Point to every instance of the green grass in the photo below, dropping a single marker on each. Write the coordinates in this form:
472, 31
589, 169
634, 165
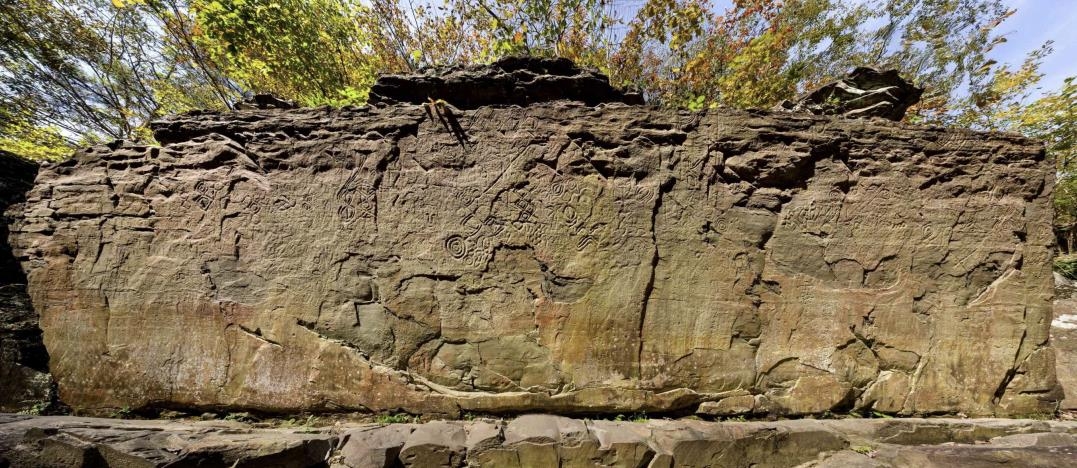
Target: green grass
863, 449
396, 418
640, 417
1066, 265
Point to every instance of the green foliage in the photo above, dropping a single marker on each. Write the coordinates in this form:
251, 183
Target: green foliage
307, 50
19, 135
82, 71
396, 418
123, 413
580, 30
862, 449
37, 409
1053, 120
640, 417
758, 52
1066, 265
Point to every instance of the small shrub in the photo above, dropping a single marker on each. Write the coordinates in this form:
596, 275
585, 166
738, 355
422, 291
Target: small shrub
863, 449
1066, 265
37, 409
123, 413
396, 418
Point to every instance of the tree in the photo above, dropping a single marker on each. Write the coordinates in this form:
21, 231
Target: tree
309, 50
409, 37
62, 66
85, 70
1053, 120
759, 52
78, 72
196, 81
20, 135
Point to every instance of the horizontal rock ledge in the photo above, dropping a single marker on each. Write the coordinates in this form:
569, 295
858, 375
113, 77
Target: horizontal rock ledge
539, 440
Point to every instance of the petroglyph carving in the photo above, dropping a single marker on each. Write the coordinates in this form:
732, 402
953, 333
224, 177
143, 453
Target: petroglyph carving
746, 254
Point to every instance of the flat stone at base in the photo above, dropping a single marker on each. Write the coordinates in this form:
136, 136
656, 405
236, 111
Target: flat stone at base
542, 441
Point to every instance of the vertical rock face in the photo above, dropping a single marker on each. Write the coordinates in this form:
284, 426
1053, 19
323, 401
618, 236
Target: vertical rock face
562, 257
24, 378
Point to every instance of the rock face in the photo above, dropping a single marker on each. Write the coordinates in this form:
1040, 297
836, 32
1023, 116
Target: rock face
510, 81
563, 257
24, 362
70, 442
866, 92
540, 441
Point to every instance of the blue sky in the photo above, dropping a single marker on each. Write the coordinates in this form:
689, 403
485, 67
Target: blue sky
1036, 22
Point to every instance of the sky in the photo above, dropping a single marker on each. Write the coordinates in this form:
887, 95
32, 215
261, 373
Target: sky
1036, 22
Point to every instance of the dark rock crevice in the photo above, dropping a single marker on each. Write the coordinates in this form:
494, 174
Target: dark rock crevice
519, 81
25, 382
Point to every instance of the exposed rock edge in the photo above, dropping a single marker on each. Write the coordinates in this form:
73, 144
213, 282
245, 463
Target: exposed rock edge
558, 257
532, 441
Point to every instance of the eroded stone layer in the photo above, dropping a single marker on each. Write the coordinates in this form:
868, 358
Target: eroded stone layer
556, 257
539, 441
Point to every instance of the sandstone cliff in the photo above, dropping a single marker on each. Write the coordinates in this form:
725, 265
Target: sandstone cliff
564, 256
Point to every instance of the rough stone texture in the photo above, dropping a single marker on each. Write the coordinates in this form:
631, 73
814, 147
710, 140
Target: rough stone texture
1064, 339
264, 101
866, 92
557, 257
24, 362
509, 81
70, 442
539, 442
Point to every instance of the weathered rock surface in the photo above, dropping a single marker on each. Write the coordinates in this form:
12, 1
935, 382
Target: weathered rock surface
540, 441
24, 362
557, 257
71, 442
866, 92
510, 81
